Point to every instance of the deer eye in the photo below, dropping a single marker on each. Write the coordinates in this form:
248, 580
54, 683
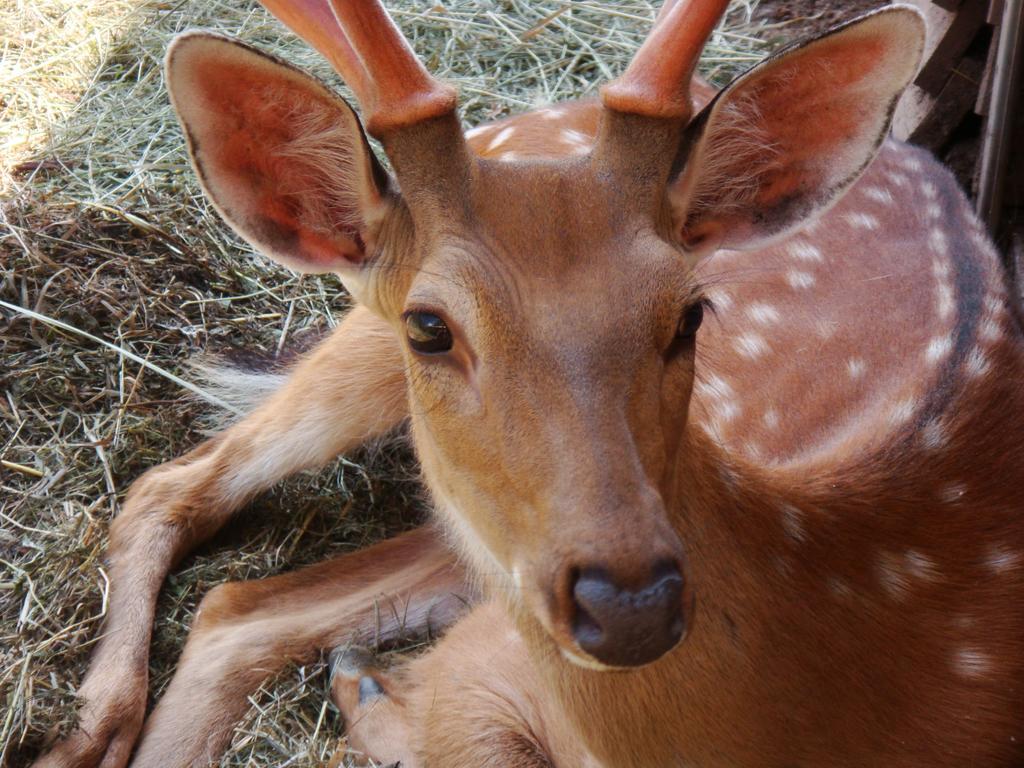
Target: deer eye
427, 333
690, 321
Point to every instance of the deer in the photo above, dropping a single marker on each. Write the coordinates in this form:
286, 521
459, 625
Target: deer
714, 393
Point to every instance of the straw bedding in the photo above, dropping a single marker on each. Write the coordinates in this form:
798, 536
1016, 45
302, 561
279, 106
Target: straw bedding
128, 273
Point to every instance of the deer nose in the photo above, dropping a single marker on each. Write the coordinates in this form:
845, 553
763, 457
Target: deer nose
628, 627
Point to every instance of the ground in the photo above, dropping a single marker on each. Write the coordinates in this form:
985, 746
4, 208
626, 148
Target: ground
127, 273
812, 17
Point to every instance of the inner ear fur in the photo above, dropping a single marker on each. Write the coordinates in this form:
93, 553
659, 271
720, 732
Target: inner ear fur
786, 139
284, 160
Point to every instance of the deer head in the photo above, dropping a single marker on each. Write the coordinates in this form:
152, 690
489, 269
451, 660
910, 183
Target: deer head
548, 309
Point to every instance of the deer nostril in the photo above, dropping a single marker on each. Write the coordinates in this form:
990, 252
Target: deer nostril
628, 627
585, 629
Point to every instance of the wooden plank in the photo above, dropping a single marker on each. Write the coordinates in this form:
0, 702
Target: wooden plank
948, 40
953, 103
1013, 200
937, 21
995, 14
1000, 188
985, 90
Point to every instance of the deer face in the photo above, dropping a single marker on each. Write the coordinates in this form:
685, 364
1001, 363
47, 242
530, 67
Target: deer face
547, 310
548, 415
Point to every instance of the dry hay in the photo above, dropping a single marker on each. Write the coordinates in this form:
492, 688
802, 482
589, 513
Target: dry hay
103, 229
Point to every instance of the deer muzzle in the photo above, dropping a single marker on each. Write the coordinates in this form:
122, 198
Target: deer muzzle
628, 626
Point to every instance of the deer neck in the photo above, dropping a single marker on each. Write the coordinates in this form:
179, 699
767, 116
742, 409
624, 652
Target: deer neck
757, 564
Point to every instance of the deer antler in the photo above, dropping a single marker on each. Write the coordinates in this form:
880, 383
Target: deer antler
365, 47
657, 81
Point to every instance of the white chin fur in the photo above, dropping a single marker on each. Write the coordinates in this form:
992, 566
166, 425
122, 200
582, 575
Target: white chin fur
586, 663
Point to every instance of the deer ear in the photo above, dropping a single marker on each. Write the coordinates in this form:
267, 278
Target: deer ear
284, 160
785, 140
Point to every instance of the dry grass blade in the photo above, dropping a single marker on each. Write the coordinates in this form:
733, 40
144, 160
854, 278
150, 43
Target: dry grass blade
188, 385
114, 272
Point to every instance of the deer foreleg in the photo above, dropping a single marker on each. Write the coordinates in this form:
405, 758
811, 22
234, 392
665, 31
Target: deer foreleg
349, 389
245, 632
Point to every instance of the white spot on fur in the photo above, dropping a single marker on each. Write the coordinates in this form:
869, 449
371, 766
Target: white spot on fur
856, 367
771, 418
899, 179
910, 162
472, 133
989, 330
763, 314
897, 573
751, 346
977, 364
504, 135
862, 221
1001, 560
933, 211
572, 136
581, 149
799, 280
721, 300
727, 410
944, 303
939, 242
983, 242
825, 328
920, 566
972, 663
804, 251
552, 113
714, 431
933, 435
952, 493
902, 411
994, 305
938, 348
941, 268
928, 190
714, 387
508, 157
879, 195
